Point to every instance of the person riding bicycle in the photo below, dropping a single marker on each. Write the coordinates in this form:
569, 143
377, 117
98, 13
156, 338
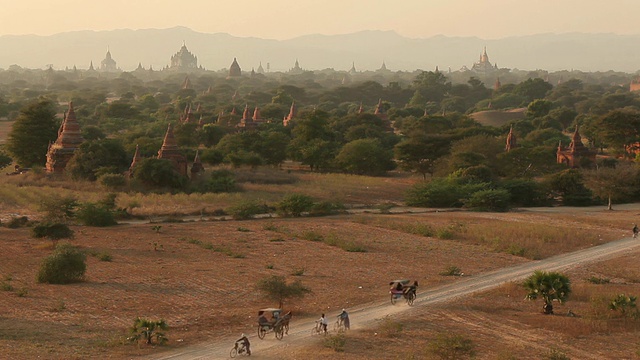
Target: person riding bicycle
344, 316
244, 341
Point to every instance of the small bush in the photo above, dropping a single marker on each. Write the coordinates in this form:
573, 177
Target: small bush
112, 181
148, 330
5, 286
598, 280
452, 347
324, 208
489, 200
420, 229
18, 222
555, 354
278, 239
105, 257
66, 264
390, 328
221, 181
452, 271
312, 236
53, 232
335, 342
243, 229
294, 205
626, 304
246, 210
59, 306
444, 234
22, 292
58, 209
91, 214
298, 272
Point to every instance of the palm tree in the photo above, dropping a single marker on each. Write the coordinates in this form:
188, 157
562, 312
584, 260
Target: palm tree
549, 286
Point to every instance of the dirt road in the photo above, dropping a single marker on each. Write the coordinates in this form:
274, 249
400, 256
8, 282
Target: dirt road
366, 315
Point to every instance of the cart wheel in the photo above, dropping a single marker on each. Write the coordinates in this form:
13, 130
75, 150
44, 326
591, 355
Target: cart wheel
279, 333
233, 352
261, 332
411, 298
393, 299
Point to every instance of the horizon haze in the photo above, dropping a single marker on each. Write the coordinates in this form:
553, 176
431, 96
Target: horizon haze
287, 19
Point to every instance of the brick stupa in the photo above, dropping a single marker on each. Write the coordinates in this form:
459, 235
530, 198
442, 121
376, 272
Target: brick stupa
170, 151
69, 139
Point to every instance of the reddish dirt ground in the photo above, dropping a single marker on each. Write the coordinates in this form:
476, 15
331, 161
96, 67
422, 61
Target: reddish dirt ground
207, 294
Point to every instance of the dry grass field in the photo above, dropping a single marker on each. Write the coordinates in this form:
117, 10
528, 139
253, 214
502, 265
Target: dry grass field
200, 277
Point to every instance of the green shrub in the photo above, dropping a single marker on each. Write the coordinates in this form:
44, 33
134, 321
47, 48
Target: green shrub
221, 181
442, 193
58, 209
112, 181
626, 304
444, 234
52, 231
18, 222
526, 192
92, 214
326, 208
105, 257
294, 205
246, 210
5, 286
489, 200
148, 330
66, 264
555, 354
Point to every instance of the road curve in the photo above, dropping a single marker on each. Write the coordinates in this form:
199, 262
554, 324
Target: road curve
365, 315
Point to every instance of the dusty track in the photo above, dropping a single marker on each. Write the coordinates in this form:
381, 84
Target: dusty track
366, 315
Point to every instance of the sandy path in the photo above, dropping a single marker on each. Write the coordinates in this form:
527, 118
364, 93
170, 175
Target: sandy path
366, 315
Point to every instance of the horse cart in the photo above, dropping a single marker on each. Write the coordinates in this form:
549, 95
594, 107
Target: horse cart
278, 323
402, 289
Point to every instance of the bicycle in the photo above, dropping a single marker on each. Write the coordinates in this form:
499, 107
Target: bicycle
238, 349
339, 325
317, 329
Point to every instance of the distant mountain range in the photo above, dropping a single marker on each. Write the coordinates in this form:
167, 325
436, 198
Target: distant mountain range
367, 49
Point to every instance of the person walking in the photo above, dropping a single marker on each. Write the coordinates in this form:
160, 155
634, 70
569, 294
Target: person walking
635, 231
324, 323
344, 316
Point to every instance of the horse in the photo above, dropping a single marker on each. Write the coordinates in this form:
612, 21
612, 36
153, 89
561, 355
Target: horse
284, 322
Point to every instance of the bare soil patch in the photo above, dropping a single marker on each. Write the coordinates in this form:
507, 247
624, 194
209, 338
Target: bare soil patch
208, 293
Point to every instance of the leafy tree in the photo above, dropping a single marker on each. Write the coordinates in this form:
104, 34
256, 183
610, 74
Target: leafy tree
614, 184
619, 128
5, 160
276, 288
52, 231
148, 330
539, 108
419, 153
549, 286
58, 209
35, 127
533, 89
569, 184
65, 265
365, 157
96, 157
159, 172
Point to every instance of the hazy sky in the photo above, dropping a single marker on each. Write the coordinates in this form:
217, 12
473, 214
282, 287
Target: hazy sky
283, 19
